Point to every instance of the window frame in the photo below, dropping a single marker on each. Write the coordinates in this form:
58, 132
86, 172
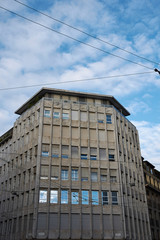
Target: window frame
85, 197
109, 118
114, 198
56, 198
64, 174
64, 196
95, 199
73, 201
43, 196
105, 199
56, 115
47, 114
74, 174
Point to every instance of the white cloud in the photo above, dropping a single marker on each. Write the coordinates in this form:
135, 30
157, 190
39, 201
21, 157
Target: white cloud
149, 140
138, 106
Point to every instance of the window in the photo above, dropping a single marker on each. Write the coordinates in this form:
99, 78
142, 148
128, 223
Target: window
47, 113
65, 151
95, 198
65, 115
75, 198
54, 196
45, 150
92, 117
44, 171
45, 153
103, 175
84, 153
64, 196
94, 176
104, 198
74, 115
43, 196
74, 152
108, 119
111, 154
114, 198
84, 174
55, 151
85, 197
100, 118
74, 174
83, 116
64, 174
113, 179
56, 115
93, 153
102, 154
54, 172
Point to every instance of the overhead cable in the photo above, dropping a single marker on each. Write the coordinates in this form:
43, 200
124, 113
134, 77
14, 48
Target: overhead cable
74, 39
88, 34
78, 80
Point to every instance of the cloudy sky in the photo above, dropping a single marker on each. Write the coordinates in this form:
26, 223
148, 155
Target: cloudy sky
32, 54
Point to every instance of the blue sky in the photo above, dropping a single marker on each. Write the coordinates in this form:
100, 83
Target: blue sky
30, 54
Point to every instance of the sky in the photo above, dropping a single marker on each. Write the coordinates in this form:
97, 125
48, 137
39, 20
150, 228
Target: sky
48, 52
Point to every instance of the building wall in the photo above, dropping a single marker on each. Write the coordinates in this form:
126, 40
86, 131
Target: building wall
75, 173
152, 182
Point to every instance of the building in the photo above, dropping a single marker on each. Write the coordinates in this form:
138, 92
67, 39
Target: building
152, 183
71, 169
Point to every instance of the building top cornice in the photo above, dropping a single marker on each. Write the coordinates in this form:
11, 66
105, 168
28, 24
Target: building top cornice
44, 91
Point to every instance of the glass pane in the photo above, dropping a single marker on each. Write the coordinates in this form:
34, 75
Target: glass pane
54, 196
85, 197
64, 196
95, 198
43, 196
75, 199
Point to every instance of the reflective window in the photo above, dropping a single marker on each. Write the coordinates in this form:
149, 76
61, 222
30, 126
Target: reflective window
75, 198
64, 196
85, 197
43, 196
54, 196
95, 198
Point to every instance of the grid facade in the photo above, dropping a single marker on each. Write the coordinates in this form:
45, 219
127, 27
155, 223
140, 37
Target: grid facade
71, 168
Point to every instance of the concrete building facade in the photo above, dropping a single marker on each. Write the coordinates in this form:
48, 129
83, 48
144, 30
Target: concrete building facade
152, 183
70, 168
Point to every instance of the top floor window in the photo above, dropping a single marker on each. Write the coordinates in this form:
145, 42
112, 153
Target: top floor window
65, 115
47, 113
56, 115
108, 118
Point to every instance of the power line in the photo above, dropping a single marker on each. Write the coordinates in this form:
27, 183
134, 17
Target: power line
79, 41
89, 35
78, 80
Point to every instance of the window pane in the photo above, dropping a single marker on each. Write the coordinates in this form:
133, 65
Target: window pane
74, 115
54, 196
104, 198
74, 174
75, 198
114, 198
64, 174
95, 198
64, 196
65, 115
108, 118
43, 196
85, 197
94, 176
56, 115
47, 113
